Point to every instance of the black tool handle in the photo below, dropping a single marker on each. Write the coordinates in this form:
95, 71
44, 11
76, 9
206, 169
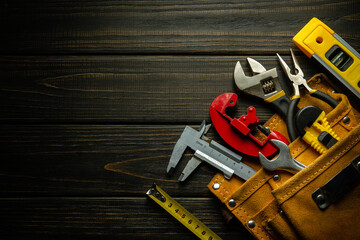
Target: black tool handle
290, 119
281, 105
326, 98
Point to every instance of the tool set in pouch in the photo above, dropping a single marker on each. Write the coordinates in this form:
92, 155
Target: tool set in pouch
302, 194
308, 188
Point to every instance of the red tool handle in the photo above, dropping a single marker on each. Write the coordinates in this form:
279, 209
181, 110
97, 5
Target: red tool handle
237, 131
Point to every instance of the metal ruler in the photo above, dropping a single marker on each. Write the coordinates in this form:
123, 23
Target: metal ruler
181, 214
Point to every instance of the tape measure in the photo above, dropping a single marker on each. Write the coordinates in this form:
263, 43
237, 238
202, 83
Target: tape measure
318, 41
181, 214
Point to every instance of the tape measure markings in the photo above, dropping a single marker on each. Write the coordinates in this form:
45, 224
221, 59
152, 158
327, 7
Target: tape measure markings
181, 214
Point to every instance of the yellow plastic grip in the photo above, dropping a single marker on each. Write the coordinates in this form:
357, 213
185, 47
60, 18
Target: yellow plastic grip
312, 133
274, 97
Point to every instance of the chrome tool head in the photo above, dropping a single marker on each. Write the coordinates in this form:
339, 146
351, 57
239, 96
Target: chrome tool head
188, 136
297, 79
264, 83
255, 66
284, 161
208, 151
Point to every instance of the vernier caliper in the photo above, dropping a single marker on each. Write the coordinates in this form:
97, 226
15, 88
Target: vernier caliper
211, 152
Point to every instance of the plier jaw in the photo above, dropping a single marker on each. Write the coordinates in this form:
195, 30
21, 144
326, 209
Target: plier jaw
297, 79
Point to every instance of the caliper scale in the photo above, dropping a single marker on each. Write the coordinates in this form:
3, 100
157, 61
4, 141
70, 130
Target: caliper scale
225, 160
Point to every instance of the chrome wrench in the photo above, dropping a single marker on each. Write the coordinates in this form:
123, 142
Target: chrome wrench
282, 162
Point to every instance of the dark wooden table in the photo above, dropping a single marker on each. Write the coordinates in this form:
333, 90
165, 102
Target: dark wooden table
94, 95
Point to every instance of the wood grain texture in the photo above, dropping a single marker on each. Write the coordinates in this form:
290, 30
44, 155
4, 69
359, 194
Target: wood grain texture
108, 218
95, 160
94, 94
124, 89
184, 27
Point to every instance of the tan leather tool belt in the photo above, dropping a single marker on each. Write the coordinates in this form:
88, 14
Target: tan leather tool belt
281, 205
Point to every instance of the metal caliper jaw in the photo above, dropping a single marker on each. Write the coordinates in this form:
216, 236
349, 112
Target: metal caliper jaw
263, 84
211, 152
181, 145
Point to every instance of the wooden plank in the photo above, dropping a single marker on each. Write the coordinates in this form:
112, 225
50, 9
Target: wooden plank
95, 160
211, 27
107, 218
124, 89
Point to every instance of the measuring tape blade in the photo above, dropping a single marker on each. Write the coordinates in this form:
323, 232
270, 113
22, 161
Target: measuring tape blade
181, 214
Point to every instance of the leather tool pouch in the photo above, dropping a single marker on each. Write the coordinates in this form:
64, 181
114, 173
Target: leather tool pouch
319, 202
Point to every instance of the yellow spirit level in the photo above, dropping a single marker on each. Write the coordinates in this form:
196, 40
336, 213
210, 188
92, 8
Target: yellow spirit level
181, 214
318, 41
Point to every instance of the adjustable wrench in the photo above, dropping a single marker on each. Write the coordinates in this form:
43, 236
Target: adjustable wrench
264, 84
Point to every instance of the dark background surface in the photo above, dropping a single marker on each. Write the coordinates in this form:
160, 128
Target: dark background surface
94, 95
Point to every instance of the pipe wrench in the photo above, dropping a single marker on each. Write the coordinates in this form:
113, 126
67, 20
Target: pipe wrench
211, 152
237, 132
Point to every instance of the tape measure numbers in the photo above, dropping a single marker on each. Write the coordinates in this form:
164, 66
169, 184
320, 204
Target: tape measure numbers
181, 214
320, 42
